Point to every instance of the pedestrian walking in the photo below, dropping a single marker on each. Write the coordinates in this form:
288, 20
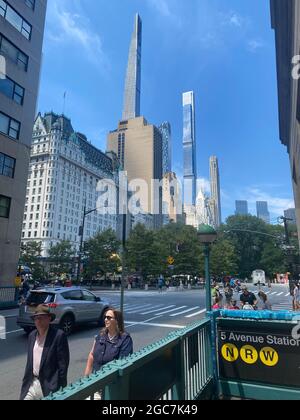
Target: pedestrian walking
248, 298
48, 358
265, 304
228, 294
296, 297
160, 284
112, 343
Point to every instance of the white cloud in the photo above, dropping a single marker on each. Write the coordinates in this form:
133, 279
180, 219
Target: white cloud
254, 45
233, 19
204, 184
277, 204
65, 27
164, 9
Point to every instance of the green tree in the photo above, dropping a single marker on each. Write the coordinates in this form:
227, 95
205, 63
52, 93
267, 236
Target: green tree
142, 252
223, 258
61, 257
31, 256
273, 260
100, 254
175, 240
248, 235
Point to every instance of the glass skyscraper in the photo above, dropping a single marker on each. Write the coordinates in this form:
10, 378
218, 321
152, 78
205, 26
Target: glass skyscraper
165, 130
189, 148
133, 77
263, 211
241, 208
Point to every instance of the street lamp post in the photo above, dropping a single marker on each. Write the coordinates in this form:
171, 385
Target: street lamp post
81, 233
207, 235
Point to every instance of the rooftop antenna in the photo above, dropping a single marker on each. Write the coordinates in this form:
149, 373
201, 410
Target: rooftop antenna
64, 103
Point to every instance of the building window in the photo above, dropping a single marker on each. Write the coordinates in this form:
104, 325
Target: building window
12, 90
12, 52
4, 206
7, 165
30, 4
15, 19
9, 126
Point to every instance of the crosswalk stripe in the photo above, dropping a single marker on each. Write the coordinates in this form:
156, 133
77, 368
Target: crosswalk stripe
196, 313
140, 308
274, 293
279, 294
157, 308
186, 311
132, 307
172, 310
288, 294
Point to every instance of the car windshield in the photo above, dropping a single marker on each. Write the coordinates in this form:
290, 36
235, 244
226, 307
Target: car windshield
38, 298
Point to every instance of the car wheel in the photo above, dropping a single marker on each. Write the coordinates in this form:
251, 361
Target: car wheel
67, 324
28, 330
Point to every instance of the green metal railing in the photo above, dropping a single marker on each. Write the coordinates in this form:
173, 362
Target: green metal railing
8, 297
178, 367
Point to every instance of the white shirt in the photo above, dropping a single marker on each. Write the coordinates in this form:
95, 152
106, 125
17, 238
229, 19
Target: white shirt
37, 354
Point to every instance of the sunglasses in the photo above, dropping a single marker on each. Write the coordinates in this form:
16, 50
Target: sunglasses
109, 318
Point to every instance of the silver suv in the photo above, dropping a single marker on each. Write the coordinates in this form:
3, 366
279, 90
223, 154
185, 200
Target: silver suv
72, 305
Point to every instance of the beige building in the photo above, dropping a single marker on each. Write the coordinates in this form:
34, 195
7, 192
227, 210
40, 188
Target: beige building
286, 23
138, 146
172, 202
21, 38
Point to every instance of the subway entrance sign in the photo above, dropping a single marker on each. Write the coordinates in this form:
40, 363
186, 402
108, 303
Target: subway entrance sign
261, 352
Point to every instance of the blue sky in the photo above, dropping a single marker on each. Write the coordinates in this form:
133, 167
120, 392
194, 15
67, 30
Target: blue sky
222, 49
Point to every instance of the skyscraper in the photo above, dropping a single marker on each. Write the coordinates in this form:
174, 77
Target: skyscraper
291, 214
241, 208
165, 130
262, 211
133, 77
215, 190
189, 149
21, 39
139, 146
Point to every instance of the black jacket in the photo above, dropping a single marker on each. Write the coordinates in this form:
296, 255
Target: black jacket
106, 351
54, 363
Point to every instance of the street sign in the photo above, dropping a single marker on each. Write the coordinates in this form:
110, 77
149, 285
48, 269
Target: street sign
259, 354
171, 260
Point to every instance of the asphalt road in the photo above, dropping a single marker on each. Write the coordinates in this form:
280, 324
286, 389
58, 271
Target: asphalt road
149, 317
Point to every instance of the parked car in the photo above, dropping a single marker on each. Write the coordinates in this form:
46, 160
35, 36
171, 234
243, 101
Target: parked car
71, 306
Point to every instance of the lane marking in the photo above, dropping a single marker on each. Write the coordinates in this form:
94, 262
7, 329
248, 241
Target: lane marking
186, 311
171, 310
158, 309
158, 325
139, 308
15, 331
195, 314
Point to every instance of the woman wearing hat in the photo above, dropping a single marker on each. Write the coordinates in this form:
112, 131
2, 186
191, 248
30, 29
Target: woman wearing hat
48, 357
